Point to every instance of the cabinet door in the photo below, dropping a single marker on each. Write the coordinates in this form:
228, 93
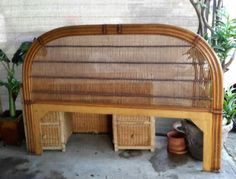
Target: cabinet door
133, 135
50, 136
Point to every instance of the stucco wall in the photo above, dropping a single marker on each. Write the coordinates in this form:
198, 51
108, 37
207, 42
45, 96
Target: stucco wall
23, 19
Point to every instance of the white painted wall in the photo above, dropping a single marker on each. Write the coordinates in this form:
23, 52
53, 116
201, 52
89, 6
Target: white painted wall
24, 19
230, 76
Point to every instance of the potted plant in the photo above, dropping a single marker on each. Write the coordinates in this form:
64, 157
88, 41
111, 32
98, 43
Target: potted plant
11, 123
229, 112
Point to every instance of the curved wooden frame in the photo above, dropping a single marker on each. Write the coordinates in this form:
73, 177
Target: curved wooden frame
208, 121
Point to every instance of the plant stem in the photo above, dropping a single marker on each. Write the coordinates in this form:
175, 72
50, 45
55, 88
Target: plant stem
200, 24
12, 106
5, 66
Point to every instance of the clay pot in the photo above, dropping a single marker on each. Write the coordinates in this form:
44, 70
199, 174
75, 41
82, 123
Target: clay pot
12, 130
176, 142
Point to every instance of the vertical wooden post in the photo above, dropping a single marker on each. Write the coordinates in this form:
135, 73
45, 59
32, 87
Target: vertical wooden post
212, 143
36, 137
28, 121
35, 145
217, 140
211, 128
208, 145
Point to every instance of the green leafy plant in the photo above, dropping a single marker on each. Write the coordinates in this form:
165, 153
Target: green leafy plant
217, 28
229, 104
223, 39
12, 84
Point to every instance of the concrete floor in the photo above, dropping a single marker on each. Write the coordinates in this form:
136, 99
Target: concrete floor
92, 156
230, 145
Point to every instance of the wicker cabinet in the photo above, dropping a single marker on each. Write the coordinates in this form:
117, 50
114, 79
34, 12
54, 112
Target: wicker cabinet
133, 132
55, 128
91, 123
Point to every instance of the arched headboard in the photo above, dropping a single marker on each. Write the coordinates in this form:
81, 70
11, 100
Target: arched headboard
148, 66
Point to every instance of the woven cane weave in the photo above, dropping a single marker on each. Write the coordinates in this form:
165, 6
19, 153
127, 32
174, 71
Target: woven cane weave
126, 69
133, 132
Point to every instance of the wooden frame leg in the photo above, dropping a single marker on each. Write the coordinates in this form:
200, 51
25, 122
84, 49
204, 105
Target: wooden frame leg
209, 143
207, 146
36, 117
216, 141
28, 128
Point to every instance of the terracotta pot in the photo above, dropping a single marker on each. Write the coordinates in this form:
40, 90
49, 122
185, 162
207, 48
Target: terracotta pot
12, 130
176, 142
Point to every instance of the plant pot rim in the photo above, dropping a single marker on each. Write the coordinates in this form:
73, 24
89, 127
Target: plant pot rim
228, 126
173, 133
177, 152
8, 118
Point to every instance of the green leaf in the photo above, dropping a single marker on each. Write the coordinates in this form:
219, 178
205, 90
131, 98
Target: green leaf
3, 57
229, 104
18, 57
2, 83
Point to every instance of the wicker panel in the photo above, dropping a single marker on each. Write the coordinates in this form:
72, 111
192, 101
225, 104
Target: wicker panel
133, 132
51, 136
114, 71
120, 40
56, 128
52, 117
114, 55
126, 69
94, 123
66, 127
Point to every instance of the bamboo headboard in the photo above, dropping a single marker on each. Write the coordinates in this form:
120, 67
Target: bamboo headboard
151, 69
133, 65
